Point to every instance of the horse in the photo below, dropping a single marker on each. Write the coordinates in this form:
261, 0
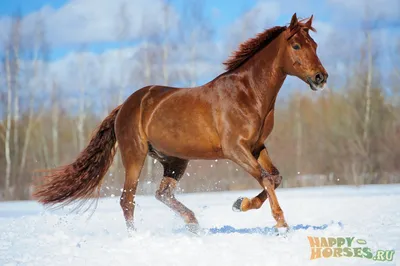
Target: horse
230, 117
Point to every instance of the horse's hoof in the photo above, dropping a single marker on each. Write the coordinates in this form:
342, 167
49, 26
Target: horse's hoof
131, 231
193, 228
237, 206
282, 231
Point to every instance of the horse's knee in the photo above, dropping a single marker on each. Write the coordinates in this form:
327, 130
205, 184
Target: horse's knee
163, 195
278, 180
166, 188
274, 171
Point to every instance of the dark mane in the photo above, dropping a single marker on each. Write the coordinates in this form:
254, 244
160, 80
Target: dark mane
252, 46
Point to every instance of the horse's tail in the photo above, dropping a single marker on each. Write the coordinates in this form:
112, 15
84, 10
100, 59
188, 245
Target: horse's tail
80, 179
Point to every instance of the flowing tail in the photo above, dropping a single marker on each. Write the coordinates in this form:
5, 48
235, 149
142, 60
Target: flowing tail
80, 179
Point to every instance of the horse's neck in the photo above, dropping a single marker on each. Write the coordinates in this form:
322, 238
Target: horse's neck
264, 73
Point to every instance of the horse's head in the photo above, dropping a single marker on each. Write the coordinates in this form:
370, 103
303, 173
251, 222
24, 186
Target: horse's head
300, 54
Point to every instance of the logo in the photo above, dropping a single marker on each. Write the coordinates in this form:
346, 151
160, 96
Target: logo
337, 247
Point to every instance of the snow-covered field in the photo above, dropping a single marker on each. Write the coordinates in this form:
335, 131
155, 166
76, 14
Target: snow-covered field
31, 236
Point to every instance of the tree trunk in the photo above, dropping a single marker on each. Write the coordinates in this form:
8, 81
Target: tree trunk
15, 42
299, 137
165, 47
54, 123
8, 123
27, 137
81, 115
367, 114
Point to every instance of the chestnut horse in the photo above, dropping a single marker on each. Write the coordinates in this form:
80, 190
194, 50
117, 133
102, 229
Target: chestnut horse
228, 118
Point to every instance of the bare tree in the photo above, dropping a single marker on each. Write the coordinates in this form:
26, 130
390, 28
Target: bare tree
82, 103
7, 144
32, 73
28, 133
122, 32
368, 84
12, 69
55, 113
147, 62
15, 46
298, 133
196, 31
166, 44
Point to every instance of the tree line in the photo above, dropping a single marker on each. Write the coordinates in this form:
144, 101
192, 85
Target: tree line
347, 134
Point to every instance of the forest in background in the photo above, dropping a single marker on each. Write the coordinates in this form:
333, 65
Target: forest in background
346, 134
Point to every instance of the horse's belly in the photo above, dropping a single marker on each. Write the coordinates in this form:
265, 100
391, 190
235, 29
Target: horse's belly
187, 150
184, 136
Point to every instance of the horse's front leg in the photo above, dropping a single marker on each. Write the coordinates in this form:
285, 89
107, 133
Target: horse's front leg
243, 157
243, 204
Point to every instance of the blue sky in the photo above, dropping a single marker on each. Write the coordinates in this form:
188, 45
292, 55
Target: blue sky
230, 12
71, 24
8, 7
221, 14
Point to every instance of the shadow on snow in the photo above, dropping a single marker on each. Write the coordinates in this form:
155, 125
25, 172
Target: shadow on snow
227, 229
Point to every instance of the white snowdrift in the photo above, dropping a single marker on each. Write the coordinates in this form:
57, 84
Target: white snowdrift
31, 236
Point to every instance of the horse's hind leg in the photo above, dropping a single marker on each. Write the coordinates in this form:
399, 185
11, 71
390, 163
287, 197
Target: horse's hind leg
133, 150
174, 168
133, 160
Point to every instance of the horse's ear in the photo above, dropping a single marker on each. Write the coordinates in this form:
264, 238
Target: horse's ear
294, 21
309, 22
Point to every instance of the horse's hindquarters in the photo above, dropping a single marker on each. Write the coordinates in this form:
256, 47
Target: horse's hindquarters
180, 124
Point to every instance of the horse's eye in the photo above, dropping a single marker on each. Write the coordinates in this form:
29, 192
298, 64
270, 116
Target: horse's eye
296, 46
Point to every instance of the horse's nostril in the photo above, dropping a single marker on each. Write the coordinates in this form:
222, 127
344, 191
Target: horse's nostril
319, 78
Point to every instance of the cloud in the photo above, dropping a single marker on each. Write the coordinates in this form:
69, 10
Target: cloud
371, 10
91, 21
255, 20
115, 69
261, 15
104, 74
94, 70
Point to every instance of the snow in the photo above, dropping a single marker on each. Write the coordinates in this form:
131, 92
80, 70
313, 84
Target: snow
29, 235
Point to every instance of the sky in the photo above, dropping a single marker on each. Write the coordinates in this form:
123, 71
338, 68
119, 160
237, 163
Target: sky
68, 16
221, 14
93, 28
